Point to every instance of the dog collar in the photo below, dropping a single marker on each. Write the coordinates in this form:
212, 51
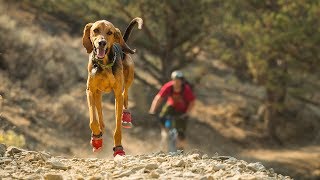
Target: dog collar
99, 62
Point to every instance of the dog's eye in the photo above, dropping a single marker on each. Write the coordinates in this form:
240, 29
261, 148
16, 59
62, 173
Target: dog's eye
109, 33
96, 30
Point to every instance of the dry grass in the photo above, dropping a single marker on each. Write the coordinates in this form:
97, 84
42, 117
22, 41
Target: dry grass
43, 62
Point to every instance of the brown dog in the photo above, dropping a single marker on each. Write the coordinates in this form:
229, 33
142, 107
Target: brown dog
110, 68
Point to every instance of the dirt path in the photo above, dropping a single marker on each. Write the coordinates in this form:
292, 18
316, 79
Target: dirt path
301, 162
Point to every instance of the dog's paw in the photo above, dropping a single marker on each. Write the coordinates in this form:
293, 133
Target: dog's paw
96, 144
118, 150
126, 119
126, 125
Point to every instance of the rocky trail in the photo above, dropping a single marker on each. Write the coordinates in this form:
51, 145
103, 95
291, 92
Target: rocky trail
16, 163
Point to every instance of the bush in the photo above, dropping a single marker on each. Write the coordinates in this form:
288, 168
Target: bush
12, 139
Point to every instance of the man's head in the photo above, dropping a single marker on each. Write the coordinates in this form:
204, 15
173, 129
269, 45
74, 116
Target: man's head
177, 77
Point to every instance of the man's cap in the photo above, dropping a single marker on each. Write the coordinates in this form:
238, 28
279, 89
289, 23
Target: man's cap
177, 75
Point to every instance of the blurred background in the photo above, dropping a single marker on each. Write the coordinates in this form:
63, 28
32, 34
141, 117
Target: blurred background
254, 66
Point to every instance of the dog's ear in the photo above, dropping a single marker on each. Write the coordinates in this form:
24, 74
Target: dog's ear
123, 44
86, 38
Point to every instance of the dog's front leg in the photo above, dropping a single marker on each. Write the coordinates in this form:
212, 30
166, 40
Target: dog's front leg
94, 124
96, 136
98, 104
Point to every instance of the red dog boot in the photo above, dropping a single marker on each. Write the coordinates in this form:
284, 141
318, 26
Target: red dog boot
126, 119
96, 142
118, 150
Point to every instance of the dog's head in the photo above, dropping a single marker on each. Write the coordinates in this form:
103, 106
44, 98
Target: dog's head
100, 36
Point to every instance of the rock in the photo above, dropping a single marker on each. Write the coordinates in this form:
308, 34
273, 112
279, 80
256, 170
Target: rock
11, 150
154, 174
95, 178
209, 169
3, 149
151, 166
123, 174
32, 177
180, 163
5, 160
160, 153
205, 156
52, 176
161, 159
256, 167
137, 168
231, 160
195, 151
44, 155
271, 170
217, 167
160, 171
9, 168
245, 176
194, 156
188, 174
207, 178
222, 158
118, 159
77, 177
94, 159
31, 157
57, 165
240, 165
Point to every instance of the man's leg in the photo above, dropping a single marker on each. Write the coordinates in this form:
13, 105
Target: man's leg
181, 141
164, 135
181, 125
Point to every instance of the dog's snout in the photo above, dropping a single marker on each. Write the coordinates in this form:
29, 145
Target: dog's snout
102, 43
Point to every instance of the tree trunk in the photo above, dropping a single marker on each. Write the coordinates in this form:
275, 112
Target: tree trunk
276, 90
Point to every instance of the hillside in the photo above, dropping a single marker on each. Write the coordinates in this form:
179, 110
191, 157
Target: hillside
44, 108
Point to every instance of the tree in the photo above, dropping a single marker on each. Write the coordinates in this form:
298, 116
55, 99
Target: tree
275, 43
174, 33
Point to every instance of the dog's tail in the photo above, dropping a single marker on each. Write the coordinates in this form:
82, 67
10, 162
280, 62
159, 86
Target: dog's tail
134, 21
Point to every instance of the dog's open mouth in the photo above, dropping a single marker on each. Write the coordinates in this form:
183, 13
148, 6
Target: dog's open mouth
101, 52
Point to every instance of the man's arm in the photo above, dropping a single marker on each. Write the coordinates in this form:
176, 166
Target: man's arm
155, 104
190, 98
190, 107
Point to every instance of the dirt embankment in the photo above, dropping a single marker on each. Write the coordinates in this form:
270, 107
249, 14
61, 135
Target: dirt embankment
18, 163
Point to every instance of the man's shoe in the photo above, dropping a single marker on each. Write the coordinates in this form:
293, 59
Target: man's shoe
126, 119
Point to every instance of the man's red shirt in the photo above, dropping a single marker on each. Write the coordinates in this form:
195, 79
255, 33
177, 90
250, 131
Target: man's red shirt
179, 100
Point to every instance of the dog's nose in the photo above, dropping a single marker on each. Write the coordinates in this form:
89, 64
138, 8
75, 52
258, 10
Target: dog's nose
102, 43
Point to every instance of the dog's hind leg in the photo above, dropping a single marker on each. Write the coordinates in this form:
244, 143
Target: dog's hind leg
118, 130
118, 112
128, 73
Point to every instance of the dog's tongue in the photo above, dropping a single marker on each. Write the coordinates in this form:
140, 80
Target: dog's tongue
100, 53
